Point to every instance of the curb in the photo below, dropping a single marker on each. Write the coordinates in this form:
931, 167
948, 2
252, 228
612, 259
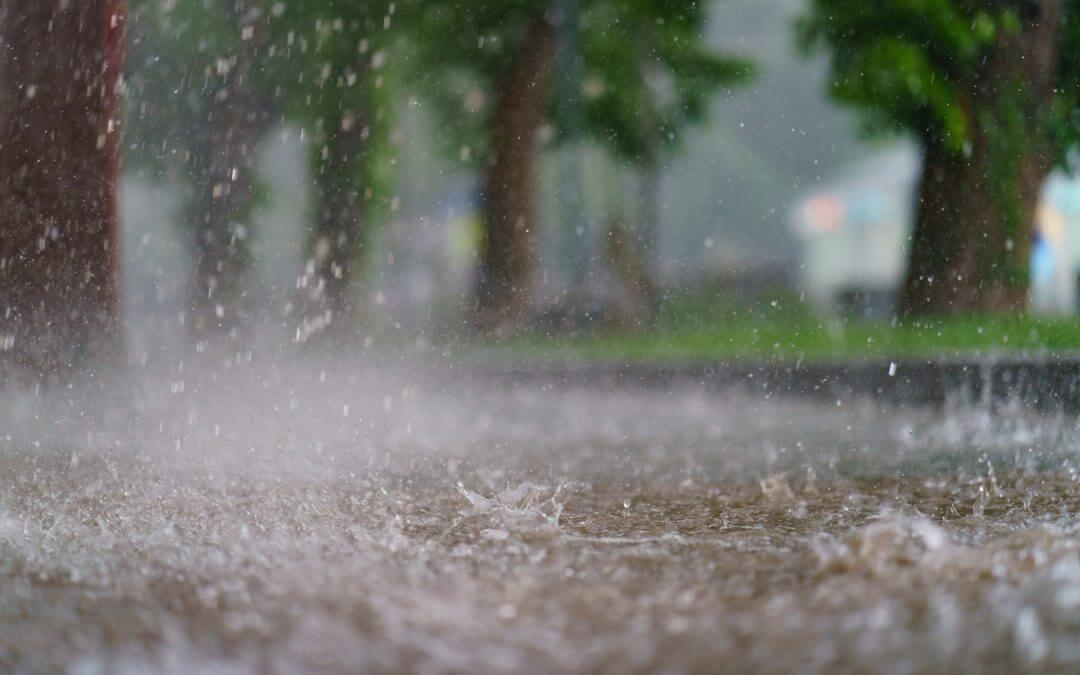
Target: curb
1046, 385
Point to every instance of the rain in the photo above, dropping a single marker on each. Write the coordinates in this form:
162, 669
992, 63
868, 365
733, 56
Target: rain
569, 336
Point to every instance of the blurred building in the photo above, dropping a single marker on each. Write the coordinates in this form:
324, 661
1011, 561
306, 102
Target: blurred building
854, 233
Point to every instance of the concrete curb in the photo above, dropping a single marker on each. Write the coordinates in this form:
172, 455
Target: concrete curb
1046, 385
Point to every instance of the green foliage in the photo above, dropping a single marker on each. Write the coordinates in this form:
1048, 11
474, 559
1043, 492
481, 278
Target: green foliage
645, 69
325, 56
176, 50
648, 72
917, 65
478, 37
993, 82
459, 52
314, 61
901, 62
1063, 119
710, 326
329, 61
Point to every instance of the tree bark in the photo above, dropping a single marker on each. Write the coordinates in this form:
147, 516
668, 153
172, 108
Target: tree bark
963, 258
976, 211
508, 258
335, 244
60, 64
225, 187
650, 180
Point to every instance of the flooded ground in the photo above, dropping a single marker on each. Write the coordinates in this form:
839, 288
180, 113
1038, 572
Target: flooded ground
342, 517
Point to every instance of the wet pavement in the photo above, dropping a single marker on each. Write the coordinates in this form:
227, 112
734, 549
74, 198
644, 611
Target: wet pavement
339, 516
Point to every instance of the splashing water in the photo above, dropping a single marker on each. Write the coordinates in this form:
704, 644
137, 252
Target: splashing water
243, 523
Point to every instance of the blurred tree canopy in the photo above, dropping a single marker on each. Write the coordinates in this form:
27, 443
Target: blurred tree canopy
645, 73
329, 67
213, 77
989, 89
200, 109
646, 69
179, 55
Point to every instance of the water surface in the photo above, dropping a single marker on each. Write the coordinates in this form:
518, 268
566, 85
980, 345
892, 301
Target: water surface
341, 516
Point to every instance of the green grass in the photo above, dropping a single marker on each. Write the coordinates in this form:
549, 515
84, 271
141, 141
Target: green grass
705, 326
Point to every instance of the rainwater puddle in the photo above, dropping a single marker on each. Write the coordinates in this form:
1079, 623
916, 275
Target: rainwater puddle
246, 522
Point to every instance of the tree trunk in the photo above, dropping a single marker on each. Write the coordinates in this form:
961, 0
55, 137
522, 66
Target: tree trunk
650, 179
335, 245
225, 188
976, 211
634, 292
964, 256
508, 258
59, 158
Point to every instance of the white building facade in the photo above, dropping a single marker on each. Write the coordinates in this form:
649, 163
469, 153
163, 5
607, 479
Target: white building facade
855, 233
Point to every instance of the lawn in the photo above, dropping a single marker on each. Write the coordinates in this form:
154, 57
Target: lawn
707, 326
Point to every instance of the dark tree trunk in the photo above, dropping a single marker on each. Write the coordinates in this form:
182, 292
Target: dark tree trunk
335, 244
650, 180
225, 188
634, 293
508, 258
976, 211
59, 159
963, 257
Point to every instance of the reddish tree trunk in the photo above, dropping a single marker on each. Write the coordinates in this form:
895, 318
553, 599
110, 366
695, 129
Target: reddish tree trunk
975, 221
60, 64
508, 258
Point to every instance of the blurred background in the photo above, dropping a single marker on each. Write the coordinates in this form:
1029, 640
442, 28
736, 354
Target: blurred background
656, 176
